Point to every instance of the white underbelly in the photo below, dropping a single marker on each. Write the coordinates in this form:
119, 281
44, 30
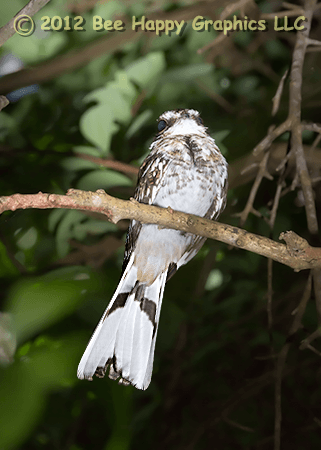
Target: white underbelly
156, 248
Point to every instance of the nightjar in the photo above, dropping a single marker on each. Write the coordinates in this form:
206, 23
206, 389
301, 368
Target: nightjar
186, 171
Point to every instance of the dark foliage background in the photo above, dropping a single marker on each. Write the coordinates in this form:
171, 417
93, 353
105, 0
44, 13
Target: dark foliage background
213, 383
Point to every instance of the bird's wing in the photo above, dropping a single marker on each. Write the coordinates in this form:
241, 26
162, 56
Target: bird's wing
150, 175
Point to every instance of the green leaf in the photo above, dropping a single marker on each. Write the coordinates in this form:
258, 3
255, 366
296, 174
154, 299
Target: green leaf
21, 416
174, 91
114, 100
146, 70
33, 48
221, 135
103, 179
74, 164
275, 49
94, 227
64, 231
97, 125
109, 9
243, 39
92, 151
98, 95
124, 85
173, 316
38, 302
8, 341
139, 122
7, 268
95, 69
43, 141
54, 218
187, 73
197, 40
7, 125
164, 42
214, 280
28, 239
25, 385
122, 407
9, 11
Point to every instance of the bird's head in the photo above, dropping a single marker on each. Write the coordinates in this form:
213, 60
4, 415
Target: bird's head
181, 122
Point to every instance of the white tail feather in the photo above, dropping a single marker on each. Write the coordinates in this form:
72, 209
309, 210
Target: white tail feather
149, 369
126, 334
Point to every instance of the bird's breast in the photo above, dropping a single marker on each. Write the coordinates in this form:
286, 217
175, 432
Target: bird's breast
189, 189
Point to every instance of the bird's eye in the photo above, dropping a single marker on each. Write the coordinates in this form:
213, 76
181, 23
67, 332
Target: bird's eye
161, 125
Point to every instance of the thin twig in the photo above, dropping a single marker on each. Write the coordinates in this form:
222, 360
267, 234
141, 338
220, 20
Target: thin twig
313, 42
219, 99
316, 127
111, 164
300, 310
218, 40
317, 292
260, 175
307, 341
314, 350
281, 14
270, 261
11, 256
276, 201
267, 141
315, 143
277, 98
270, 293
278, 386
232, 7
291, 6
314, 49
235, 424
281, 363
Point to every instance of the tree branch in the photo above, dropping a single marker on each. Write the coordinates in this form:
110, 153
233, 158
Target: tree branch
294, 123
295, 114
111, 164
297, 253
30, 9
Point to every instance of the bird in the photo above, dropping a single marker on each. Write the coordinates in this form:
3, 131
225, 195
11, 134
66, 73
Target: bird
184, 171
